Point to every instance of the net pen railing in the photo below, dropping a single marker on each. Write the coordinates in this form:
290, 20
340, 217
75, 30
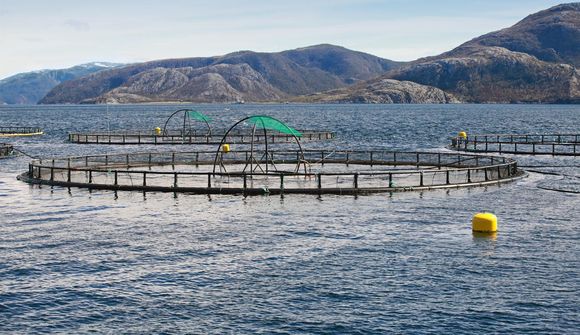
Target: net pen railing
530, 144
142, 172
193, 137
187, 132
526, 138
370, 157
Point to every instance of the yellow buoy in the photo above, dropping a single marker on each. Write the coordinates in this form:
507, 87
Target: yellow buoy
226, 148
157, 131
484, 223
462, 134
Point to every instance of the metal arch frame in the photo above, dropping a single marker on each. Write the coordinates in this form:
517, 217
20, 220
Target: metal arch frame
222, 142
185, 119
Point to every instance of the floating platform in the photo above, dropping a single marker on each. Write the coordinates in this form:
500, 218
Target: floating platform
6, 150
520, 144
20, 131
193, 137
306, 172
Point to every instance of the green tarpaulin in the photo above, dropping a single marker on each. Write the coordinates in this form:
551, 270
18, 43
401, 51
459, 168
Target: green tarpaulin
198, 116
266, 122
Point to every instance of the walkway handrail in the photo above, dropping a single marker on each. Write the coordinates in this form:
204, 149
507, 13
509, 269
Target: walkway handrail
529, 144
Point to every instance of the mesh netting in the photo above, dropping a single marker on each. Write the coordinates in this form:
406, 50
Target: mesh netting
339, 172
266, 122
198, 116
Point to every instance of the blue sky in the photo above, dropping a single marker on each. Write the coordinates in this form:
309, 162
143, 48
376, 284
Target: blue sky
62, 33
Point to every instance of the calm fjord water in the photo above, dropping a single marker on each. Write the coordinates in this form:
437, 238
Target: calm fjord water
75, 261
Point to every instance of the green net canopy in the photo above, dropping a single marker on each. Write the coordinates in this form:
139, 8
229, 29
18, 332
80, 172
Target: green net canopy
266, 122
198, 116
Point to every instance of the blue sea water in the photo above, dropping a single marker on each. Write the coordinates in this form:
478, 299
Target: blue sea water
79, 261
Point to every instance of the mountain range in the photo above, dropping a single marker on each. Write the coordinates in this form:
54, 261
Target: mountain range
243, 75
534, 61
30, 87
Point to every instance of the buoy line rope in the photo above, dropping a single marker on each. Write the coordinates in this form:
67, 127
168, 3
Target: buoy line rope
556, 189
554, 174
24, 153
564, 177
548, 166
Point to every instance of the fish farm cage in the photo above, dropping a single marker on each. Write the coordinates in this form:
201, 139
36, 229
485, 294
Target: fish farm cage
6, 150
179, 128
520, 144
275, 172
190, 137
20, 131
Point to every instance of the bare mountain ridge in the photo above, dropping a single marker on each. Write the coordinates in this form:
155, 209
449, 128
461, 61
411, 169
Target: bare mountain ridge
221, 82
533, 61
30, 87
494, 74
278, 76
551, 35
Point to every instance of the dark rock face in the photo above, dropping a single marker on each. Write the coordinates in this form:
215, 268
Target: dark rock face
383, 91
494, 74
30, 87
243, 75
533, 62
552, 35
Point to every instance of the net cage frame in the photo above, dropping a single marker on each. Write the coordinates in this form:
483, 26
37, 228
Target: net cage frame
266, 123
164, 172
6, 149
187, 129
15, 131
142, 137
519, 144
188, 135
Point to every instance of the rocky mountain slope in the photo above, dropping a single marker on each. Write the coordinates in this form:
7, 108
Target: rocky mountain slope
221, 82
534, 61
243, 75
382, 91
494, 74
551, 35
30, 87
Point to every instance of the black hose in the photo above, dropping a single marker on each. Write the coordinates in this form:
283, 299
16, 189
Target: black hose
554, 173
24, 153
549, 166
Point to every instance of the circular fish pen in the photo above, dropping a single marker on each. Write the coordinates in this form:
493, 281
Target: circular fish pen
520, 144
20, 131
179, 128
193, 137
6, 150
290, 171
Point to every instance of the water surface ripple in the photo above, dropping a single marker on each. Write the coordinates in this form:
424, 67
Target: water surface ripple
75, 261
